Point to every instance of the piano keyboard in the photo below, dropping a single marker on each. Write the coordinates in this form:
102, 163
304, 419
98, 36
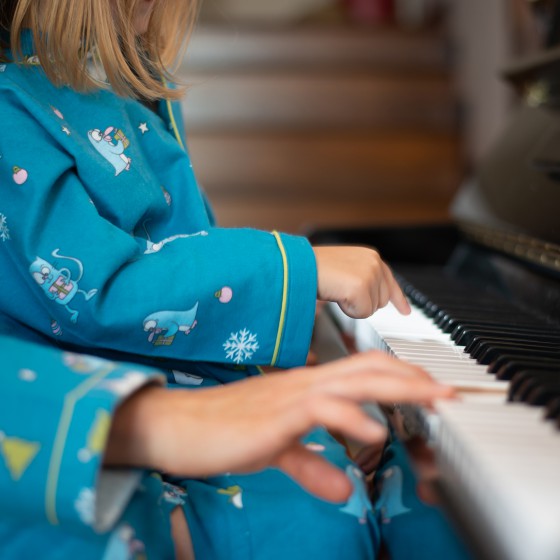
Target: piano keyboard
501, 459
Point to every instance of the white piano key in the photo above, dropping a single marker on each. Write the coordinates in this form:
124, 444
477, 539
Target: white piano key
503, 456
513, 460
416, 339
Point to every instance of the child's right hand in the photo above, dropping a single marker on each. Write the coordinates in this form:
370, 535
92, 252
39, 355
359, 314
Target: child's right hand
358, 280
249, 425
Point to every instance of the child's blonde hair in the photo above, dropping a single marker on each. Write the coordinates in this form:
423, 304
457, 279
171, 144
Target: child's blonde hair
70, 34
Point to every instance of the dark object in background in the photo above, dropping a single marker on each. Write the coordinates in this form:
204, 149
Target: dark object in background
370, 11
415, 244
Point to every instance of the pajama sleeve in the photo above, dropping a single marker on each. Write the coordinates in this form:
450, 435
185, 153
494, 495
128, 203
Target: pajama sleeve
56, 410
74, 270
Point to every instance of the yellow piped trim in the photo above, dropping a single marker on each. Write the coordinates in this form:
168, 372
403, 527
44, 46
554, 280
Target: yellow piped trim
284, 299
60, 439
172, 118
174, 124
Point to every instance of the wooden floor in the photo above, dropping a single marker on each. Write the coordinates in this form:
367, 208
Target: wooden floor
317, 126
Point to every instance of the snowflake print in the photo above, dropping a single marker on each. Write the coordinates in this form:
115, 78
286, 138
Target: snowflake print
241, 346
85, 505
4, 231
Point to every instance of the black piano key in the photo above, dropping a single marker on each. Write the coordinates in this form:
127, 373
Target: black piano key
526, 381
466, 301
464, 332
543, 394
553, 409
489, 321
483, 310
515, 342
505, 367
483, 341
521, 376
491, 353
479, 338
456, 326
448, 324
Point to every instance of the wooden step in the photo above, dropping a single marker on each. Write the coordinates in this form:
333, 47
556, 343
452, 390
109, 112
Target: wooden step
321, 101
301, 214
352, 164
330, 126
233, 48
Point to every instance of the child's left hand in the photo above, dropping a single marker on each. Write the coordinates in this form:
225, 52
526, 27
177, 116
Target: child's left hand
358, 280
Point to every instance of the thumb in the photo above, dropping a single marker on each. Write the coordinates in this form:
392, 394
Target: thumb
314, 473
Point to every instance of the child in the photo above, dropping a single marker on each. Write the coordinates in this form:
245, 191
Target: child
108, 246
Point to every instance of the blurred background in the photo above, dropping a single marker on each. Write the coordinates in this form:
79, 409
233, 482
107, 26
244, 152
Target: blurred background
305, 114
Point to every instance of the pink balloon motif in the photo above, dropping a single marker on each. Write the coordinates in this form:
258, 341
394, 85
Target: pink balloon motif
224, 295
57, 113
166, 195
56, 328
20, 175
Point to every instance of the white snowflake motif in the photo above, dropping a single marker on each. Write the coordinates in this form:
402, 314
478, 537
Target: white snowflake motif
4, 231
85, 505
241, 346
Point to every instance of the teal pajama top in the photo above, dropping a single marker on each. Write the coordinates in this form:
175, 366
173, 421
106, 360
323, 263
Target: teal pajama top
107, 243
108, 246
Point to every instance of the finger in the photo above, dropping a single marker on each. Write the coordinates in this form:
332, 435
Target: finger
384, 288
368, 458
397, 297
312, 359
368, 362
386, 388
423, 459
386, 363
315, 474
427, 493
367, 467
319, 305
346, 417
363, 455
392, 388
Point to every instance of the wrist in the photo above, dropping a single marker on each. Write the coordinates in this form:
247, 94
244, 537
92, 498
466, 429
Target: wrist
133, 431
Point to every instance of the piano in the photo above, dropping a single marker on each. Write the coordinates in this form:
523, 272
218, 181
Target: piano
485, 291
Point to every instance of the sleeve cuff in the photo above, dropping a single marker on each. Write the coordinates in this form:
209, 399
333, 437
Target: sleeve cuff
51, 463
86, 492
114, 491
299, 297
